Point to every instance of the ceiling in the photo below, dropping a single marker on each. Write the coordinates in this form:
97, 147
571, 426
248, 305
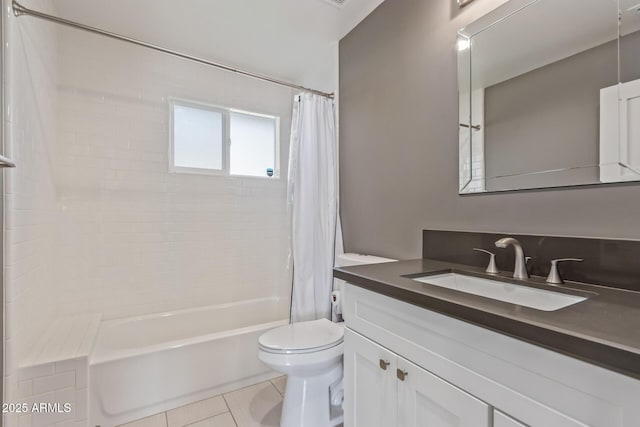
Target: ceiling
537, 35
294, 40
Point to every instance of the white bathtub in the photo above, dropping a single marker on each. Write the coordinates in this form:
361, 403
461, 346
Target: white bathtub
145, 365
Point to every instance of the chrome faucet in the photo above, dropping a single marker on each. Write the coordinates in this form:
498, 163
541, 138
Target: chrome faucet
520, 269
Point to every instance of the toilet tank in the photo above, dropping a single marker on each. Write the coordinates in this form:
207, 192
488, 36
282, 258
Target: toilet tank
345, 260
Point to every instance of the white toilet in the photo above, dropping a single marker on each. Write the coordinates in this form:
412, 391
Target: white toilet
310, 354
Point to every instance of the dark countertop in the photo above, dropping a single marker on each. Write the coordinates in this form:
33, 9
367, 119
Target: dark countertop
603, 330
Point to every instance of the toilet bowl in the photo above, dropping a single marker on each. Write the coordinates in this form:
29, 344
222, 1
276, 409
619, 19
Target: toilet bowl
310, 354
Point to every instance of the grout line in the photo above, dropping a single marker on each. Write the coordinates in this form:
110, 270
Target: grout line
225, 403
242, 388
230, 411
189, 404
209, 418
274, 386
277, 389
166, 418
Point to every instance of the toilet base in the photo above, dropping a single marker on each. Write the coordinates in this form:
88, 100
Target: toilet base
307, 401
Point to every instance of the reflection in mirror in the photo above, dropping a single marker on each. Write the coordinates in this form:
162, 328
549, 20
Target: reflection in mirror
628, 99
540, 100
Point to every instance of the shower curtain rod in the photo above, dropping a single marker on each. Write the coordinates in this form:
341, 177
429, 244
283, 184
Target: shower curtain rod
20, 10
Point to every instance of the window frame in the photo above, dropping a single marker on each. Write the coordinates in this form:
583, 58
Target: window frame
226, 140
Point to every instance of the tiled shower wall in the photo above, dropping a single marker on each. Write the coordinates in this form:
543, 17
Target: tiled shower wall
95, 223
30, 193
132, 237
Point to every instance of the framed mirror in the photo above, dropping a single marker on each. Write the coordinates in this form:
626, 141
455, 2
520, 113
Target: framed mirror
549, 95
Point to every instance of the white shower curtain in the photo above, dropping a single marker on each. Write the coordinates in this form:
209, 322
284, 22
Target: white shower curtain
313, 198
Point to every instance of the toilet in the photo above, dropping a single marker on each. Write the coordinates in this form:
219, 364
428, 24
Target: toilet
310, 354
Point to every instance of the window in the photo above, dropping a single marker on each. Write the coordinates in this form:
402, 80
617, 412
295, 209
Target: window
253, 142
197, 138
213, 140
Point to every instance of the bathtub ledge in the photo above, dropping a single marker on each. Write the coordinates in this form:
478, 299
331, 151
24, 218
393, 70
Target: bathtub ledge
67, 338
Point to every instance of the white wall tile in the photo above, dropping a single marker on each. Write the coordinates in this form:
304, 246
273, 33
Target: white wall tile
65, 366
31, 372
25, 388
69, 386
24, 420
81, 404
82, 366
30, 206
134, 238
39, 398
54, 382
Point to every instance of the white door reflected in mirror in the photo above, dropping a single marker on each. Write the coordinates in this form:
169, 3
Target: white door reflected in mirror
620, 132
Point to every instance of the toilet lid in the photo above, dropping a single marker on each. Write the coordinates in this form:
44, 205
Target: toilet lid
313, 335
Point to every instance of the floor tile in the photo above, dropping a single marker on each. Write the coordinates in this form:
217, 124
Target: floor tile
256, 406
280, 384
223, 420
197, 411
158, 420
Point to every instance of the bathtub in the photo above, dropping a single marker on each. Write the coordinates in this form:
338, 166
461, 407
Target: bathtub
145, 365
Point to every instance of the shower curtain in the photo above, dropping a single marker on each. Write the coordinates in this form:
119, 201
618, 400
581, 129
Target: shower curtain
313, 203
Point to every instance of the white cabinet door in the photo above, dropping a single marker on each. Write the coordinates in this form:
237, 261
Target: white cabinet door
425, 400
502, 420
369, 383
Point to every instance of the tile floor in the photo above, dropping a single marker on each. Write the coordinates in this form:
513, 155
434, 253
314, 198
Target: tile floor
258, 405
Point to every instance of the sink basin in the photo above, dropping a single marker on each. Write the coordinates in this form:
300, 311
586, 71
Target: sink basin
508, 292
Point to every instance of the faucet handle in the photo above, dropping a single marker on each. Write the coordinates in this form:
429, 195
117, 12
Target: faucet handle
492, 268
554, 277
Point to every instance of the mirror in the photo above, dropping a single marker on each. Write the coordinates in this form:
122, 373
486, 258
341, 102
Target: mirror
549, 95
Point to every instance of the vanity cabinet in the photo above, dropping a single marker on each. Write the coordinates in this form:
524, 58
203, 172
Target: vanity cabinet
389, 391
407, 366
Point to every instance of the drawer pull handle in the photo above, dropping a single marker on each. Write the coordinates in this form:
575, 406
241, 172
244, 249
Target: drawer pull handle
384, 364
401, 374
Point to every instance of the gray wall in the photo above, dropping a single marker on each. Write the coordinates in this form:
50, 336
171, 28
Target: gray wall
630, 57
399, 144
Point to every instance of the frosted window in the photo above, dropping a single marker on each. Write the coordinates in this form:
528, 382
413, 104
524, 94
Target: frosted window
216, 140
253, 144
197, 138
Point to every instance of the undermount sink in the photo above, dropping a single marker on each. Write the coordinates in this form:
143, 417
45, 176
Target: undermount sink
539, 299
